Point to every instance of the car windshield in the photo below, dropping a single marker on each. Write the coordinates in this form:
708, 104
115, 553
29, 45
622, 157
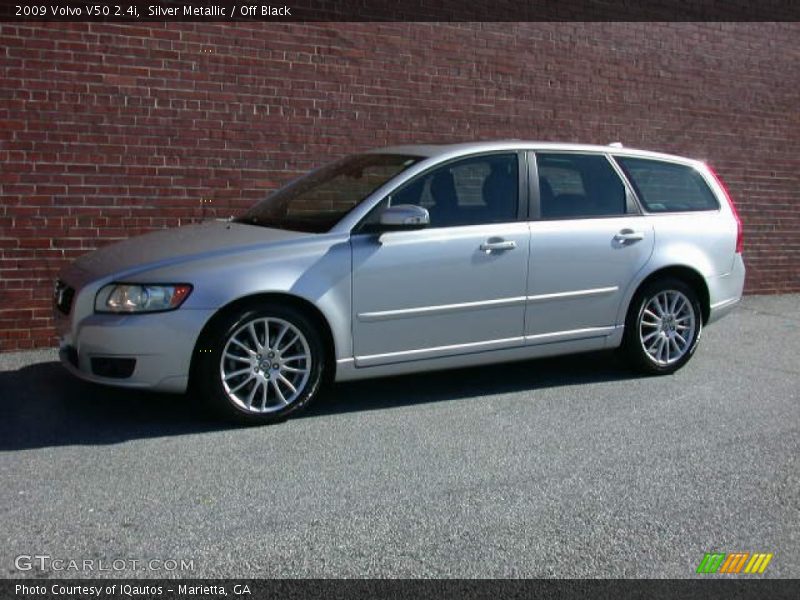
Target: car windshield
317, 201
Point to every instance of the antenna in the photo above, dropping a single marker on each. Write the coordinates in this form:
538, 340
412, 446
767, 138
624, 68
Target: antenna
616, 145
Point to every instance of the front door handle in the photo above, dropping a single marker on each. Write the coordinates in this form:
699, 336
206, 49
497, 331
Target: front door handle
490, 246
628, 236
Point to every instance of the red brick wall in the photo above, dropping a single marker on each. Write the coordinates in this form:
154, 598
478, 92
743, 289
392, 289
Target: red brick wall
109, 130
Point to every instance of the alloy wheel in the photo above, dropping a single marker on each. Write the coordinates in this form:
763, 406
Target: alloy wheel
265, 365
667, 326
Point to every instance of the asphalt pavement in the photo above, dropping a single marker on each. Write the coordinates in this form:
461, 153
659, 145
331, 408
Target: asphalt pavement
568, 467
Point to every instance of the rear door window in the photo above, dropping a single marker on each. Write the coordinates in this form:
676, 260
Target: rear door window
668, 187
575, 186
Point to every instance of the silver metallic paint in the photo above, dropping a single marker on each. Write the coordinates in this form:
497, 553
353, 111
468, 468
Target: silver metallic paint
407, 300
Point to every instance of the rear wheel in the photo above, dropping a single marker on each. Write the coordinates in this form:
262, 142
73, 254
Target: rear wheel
663, 327
261, 365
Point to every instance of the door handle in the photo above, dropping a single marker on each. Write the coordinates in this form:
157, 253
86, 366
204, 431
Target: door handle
629, 236
498, 246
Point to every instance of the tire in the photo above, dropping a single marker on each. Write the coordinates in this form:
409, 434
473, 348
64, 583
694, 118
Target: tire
660, 344
250, 381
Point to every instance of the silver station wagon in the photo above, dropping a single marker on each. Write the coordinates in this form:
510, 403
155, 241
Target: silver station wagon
412, 258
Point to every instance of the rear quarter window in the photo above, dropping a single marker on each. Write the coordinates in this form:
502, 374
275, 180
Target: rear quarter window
668, 187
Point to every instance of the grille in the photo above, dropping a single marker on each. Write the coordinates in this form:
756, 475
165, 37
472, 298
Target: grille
63, 296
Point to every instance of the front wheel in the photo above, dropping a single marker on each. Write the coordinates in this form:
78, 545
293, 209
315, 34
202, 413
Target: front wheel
663, 327
261, 365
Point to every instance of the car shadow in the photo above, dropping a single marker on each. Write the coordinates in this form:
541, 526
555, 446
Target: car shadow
472, 382
43, 406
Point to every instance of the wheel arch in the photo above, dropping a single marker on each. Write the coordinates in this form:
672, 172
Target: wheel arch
257, 299
688, 275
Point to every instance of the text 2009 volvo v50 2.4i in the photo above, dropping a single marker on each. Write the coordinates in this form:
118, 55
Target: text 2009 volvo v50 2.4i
412, 258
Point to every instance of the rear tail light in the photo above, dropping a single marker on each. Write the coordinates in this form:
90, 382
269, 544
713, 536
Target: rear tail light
739, 230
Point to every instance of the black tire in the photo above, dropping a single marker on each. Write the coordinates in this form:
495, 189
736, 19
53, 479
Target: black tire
207, 377
632, 345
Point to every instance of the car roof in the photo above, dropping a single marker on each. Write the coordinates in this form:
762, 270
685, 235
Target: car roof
445, 151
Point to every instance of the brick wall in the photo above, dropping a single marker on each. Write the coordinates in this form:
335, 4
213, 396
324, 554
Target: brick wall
110, 130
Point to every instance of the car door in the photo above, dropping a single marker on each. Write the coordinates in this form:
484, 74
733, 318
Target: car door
588, 242
454, 287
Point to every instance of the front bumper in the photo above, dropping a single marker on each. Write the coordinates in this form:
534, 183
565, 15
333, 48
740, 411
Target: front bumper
160, 343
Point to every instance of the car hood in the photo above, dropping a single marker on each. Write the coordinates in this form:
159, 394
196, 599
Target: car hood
172, 246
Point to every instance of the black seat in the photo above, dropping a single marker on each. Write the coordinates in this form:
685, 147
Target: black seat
499, 194
445, 208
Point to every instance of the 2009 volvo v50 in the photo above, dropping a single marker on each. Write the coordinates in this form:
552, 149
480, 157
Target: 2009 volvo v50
407, 259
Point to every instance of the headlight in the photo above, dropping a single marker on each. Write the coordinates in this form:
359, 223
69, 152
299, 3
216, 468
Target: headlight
134, 298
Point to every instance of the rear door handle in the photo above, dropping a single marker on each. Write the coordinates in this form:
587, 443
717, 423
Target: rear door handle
629, 236
498, 246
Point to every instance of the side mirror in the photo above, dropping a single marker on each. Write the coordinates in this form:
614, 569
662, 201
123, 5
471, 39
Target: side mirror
404, 217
